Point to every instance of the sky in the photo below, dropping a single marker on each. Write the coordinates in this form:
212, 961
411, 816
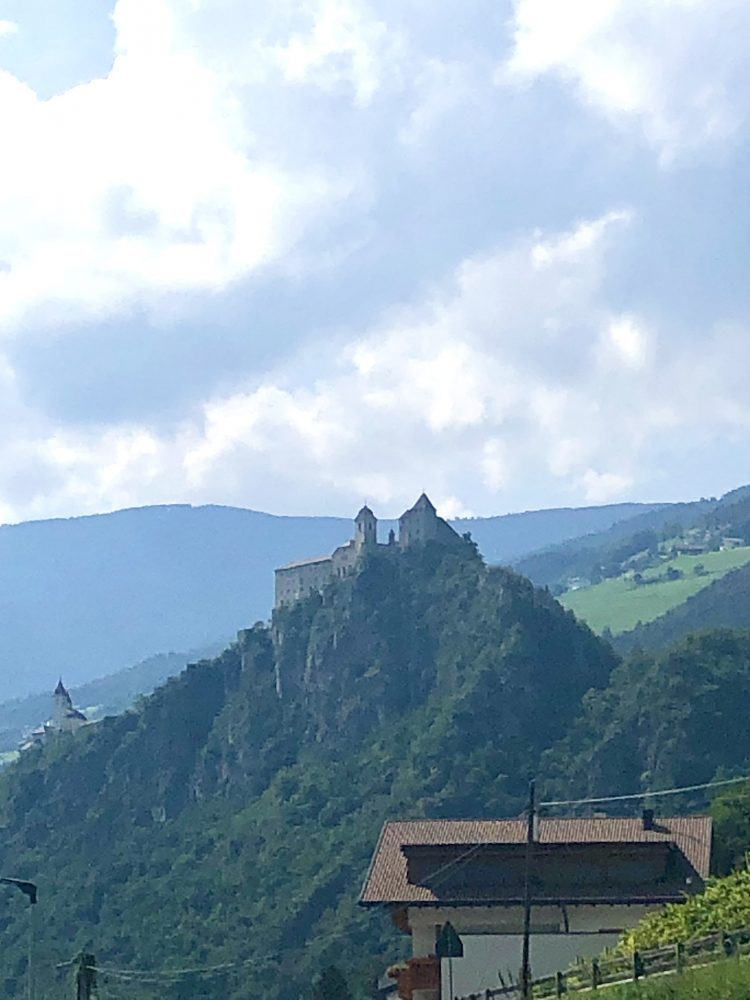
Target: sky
294, 254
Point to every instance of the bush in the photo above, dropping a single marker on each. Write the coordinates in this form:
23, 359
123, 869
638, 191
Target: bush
725, 905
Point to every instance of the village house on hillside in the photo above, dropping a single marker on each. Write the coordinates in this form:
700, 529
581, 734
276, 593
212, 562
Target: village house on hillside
591, 880
417, 525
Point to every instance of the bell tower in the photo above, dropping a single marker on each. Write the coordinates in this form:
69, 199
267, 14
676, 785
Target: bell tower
366, 529
63, 705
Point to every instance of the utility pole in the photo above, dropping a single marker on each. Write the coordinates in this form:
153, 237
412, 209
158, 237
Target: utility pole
86, 976
525, 962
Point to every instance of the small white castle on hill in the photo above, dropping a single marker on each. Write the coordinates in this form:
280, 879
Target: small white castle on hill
417, 525
66, 718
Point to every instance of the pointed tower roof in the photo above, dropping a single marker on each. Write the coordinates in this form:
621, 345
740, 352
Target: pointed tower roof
423, 503
365, 514
60, 689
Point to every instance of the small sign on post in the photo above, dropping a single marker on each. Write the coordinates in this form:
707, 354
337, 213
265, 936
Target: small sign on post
449, 944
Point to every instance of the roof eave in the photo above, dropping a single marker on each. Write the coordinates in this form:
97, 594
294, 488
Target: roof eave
370, 867
676, 897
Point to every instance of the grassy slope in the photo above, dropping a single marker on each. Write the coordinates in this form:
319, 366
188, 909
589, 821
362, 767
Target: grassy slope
725, 604
724, 981
619, 604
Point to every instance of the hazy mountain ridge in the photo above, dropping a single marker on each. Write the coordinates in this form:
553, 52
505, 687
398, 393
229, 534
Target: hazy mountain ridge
102, 592
106, 695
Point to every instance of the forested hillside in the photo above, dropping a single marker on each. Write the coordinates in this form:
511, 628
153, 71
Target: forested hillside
602, 552
666, 719
232, 817
100, 593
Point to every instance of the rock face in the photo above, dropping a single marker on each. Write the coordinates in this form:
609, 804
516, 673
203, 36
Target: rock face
231, 817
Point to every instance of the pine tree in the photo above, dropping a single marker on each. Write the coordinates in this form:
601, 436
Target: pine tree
331, 985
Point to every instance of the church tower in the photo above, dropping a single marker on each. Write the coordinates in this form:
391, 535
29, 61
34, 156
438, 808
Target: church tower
63, 705
67, 718
366, 529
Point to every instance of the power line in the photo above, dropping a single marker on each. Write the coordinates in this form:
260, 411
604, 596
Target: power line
154, 975
644, 795
434, 879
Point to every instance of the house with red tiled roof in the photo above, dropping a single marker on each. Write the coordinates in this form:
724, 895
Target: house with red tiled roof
591, 879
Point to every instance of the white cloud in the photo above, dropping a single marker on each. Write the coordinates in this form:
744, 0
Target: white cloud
232, 140
344, 44
202, 156
155, 178
461, 390
506, 375
677, 68
8, 28
602, 487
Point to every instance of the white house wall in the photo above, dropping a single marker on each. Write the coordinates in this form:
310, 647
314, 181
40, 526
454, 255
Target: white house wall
487, 954
492, 938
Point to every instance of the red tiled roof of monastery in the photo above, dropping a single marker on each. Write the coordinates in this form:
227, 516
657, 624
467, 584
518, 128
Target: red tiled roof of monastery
387, 881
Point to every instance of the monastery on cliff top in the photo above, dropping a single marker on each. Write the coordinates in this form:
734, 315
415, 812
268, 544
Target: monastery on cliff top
417, 525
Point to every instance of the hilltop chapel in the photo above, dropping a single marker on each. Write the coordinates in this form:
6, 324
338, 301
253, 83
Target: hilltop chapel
66, 718
416, 526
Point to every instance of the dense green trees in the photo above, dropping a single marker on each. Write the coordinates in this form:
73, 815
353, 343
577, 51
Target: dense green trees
331, 985
666, 719
731, 813
232, 817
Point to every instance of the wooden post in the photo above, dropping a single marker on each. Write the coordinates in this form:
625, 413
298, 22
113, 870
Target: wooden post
560, 984
728, 944
596, 975
679, 957
525, 959
638, 967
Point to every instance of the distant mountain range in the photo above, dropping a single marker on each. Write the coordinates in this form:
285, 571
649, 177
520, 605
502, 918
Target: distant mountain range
86, 596
108, 695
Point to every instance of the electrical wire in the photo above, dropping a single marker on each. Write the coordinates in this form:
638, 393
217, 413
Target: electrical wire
154, 975
644, 795
433, 879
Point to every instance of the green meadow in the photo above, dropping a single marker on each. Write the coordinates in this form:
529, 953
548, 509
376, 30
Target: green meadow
619, 604
728, 980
